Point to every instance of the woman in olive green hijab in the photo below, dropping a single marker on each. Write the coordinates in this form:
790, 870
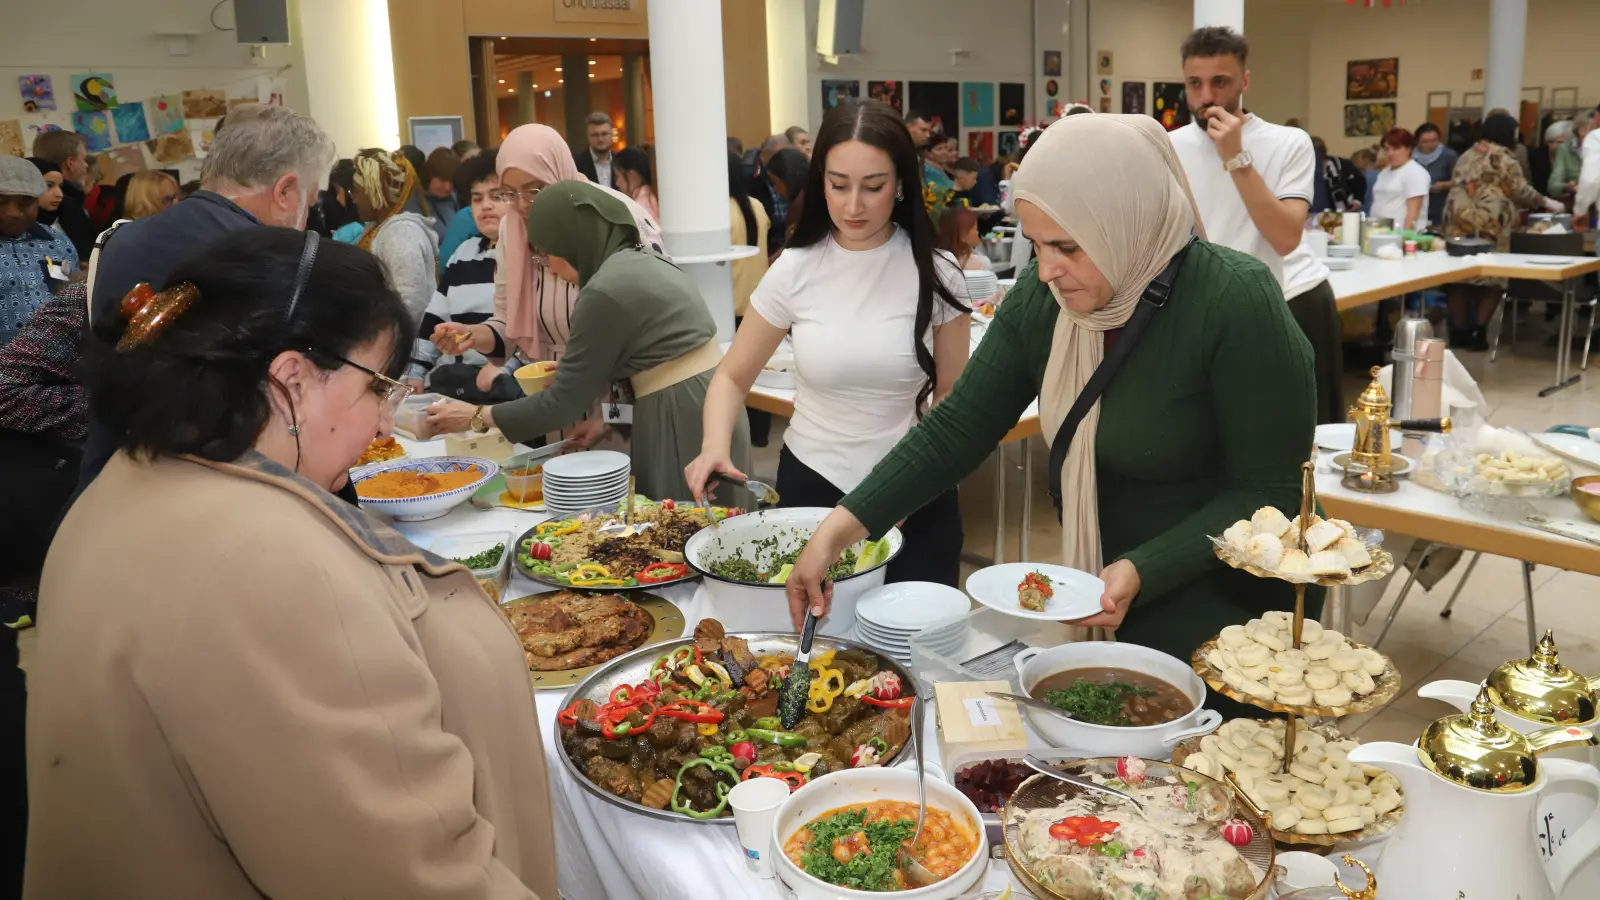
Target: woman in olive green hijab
638, 318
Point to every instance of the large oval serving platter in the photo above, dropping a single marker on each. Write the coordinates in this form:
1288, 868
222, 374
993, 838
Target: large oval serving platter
632, 669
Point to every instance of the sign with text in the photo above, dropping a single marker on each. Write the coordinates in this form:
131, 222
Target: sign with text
629, 12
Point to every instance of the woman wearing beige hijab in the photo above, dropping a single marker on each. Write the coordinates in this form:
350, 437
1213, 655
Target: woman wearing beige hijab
1207, 419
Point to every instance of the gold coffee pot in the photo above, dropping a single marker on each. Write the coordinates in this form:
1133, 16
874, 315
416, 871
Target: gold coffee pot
1370, 464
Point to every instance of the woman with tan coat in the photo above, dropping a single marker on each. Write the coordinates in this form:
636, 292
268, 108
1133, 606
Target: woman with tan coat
246, 687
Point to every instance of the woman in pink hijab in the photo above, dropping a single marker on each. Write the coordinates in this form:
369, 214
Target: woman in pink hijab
532, 305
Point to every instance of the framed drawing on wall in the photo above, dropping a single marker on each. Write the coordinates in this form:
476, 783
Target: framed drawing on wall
1368, 119
429, 133
1133, 97
941, 100
837, 92
1372, 79
887, 92
1013, 97
1168, 105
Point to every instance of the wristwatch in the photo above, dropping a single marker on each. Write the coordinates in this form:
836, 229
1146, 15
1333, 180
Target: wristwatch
1243, 161
477, 422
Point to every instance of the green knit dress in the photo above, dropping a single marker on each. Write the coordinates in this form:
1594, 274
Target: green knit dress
1208, 419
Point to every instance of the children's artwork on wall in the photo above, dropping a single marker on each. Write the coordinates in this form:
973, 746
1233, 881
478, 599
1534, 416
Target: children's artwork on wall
1052, 63
1169, 106
129, 119
37, 93
1102, 63
94, 129
887, 92
166, 114
120, 161
980, 146
977, 104
1368, 119
269, 91
205, 104
11, 138
171, 148
1052, 88
1054, 108
1372, 79
837, 92
34, 129
939, 99
1007, 143
93, 91
1013, 97
1133, 98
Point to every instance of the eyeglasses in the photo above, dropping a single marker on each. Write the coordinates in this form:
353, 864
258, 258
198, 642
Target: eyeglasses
392, 392
511, 195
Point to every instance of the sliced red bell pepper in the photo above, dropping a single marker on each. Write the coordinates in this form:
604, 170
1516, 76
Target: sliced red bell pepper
902, 703
658, 572
795, 780
633, 694
1085, 831
614, 719
569, 716
690, 710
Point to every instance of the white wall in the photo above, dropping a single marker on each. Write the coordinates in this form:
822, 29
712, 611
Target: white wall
61, 38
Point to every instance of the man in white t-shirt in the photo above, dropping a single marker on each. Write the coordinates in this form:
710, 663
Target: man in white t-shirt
1253, 182
1589, 174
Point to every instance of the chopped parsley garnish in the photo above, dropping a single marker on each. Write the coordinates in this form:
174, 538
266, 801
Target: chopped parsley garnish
870, 871
1097, 704
484, 560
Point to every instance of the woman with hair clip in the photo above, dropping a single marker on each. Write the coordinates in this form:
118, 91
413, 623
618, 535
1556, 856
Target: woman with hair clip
400, 232
878, 319
1207, 419
286, 698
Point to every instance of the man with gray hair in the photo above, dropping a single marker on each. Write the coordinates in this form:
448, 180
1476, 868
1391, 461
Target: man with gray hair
594, 161
263, 170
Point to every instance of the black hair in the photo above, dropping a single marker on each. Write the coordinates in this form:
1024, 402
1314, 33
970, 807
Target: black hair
1215, 40
44, 166
472, 171
913, 115
739, 190
876, 124
632, 159
119, 196
343, 174
1426, 128
463, 147
414, 156
202, 386
1500, 130
967, 164
791, 167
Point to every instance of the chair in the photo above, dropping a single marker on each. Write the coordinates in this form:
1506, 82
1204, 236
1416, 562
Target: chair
1517, 289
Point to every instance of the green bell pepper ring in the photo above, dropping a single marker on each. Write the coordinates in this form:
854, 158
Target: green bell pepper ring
682, 806
771, 723
785, 739
1111, 849
733, 737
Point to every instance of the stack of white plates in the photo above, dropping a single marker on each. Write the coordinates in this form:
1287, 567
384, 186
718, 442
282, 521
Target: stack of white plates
1336, 264
579, 481
887, 617
981, 285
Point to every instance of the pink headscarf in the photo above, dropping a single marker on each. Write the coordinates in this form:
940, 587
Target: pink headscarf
540, 151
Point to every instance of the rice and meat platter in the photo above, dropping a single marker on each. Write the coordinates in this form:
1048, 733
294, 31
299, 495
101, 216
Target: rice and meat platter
400, 483
856, 846
567, 630
1097, 847
572, 552
705, 719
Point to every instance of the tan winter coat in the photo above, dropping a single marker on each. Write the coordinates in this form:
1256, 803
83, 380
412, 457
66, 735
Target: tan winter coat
245, 688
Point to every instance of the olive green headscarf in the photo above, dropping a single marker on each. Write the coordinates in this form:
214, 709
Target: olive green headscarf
582, 224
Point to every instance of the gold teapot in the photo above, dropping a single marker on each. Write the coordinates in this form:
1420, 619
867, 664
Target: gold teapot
1370, 464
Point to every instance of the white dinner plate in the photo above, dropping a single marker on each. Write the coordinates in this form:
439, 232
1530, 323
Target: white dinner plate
911, 605
1552, 260
1340, 436
1578, 449
1077, 594
903, 644
588, 464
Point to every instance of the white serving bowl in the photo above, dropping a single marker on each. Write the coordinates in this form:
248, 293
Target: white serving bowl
428, 506
1148, 741
851, 786
741, 606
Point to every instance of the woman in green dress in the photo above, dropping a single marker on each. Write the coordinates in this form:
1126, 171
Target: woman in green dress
638, 319
1208, 418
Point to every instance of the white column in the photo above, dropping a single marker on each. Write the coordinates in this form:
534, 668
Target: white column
1229, 13
350, 72
1508, 31
788, 91
691, 149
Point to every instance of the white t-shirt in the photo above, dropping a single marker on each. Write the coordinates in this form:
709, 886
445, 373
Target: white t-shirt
1286, 162
850, 315
1395, 186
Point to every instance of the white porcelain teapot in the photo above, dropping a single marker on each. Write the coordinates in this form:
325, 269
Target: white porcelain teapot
1530, 695
1472, 788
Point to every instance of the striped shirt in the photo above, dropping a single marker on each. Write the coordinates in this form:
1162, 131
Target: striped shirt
465, 296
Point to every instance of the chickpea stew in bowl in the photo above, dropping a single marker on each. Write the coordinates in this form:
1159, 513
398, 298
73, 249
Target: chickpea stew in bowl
856, 846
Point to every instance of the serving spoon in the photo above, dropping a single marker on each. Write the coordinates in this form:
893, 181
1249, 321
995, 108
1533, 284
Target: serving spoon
1044, 768
914, 871
1031, 703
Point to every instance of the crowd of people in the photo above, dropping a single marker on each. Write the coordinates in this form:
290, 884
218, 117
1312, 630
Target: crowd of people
289, 698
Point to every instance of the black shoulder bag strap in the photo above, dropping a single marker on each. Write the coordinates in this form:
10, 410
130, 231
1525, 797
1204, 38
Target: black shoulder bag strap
1154, 297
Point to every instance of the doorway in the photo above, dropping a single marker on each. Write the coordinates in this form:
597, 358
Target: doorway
517, 80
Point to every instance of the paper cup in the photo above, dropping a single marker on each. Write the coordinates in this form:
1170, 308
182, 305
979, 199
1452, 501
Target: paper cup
1304, 870
755, 804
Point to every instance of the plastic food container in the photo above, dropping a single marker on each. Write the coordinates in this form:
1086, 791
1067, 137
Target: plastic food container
460, 546
409, 417
524, 480
986, 644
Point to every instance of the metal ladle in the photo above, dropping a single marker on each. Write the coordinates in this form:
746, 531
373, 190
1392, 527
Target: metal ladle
916, 874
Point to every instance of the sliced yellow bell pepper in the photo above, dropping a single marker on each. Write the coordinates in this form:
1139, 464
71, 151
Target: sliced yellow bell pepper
706, 729
595, 582
859, 689
591, 569
819, 703
555, 529
823, 660
828, 684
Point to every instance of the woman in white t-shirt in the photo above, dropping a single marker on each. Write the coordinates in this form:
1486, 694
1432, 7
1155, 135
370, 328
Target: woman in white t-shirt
878, 320
1401, 192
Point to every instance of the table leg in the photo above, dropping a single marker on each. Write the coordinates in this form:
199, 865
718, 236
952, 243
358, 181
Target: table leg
1400, 600
1450, 604
1569, 296
1027, 496
1527, 606
1000, 504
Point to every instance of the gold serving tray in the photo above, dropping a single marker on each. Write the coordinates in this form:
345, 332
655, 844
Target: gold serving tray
1382, 564
1384, 824
669, 625
1387, 687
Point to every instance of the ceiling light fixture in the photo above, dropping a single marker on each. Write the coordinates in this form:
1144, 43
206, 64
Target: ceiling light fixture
558, 68
593, 63
502, 81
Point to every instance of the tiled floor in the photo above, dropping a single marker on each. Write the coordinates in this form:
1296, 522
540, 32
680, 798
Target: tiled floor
1488, 624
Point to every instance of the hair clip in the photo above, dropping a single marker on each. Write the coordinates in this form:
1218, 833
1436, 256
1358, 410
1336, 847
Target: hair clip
149, 312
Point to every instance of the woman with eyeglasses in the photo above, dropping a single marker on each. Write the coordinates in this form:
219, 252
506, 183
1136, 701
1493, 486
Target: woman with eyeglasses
533, 305
638, 319
252, 688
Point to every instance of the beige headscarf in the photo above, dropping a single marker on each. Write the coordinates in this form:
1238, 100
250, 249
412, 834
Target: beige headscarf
1115, 185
